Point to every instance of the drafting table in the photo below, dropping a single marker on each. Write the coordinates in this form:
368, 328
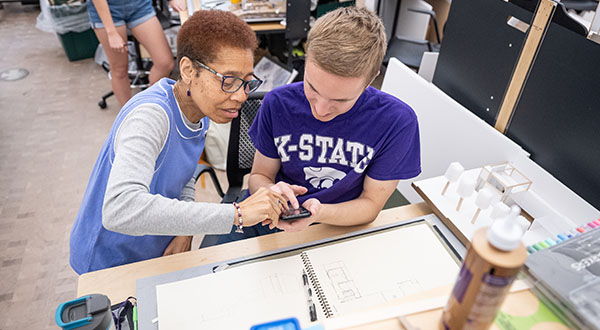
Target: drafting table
119, 282
264, 27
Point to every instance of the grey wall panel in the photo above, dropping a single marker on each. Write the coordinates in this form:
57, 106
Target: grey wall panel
478, 54
558, 116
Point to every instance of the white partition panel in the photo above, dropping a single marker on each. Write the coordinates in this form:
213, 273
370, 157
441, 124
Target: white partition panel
449, 132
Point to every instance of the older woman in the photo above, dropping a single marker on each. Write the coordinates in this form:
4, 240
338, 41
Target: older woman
141, 191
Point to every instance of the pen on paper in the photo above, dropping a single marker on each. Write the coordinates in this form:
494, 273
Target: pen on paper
312, 310
220, 267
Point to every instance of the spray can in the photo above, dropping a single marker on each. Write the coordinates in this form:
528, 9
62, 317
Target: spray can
86, 313
492, 262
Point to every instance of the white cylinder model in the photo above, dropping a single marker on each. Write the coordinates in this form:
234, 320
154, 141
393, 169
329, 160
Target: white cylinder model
466, 187
454, 171
483, 201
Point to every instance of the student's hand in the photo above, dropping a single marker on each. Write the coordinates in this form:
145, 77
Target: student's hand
313, 205
179, 244
290, 191
116, 43
264, 204
179, 5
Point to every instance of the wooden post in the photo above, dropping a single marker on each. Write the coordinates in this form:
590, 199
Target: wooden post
537, 31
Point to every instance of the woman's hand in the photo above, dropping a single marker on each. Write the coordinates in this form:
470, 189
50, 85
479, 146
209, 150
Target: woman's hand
179, 244
264, 204
290, 191
314, 206
179, 5
116, 43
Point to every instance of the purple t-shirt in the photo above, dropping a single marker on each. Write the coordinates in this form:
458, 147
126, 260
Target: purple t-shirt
378, 137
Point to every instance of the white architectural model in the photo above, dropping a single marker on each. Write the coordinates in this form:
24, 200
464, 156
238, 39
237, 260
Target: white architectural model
504, 179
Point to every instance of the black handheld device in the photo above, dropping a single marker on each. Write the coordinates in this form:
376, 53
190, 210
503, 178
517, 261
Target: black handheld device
293, 214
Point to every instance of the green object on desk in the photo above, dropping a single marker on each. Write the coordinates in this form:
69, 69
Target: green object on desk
135, 319
543, 315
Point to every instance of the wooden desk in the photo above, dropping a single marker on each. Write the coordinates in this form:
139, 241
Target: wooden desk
259, 28
266, 27
119, 282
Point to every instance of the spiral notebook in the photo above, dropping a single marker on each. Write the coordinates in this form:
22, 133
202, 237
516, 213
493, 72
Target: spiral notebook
343, 278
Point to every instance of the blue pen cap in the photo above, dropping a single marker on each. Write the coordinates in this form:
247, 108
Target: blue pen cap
284, 324
90, 312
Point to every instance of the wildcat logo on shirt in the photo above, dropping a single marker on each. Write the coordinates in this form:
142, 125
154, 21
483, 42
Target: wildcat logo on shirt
322, 177
328, 150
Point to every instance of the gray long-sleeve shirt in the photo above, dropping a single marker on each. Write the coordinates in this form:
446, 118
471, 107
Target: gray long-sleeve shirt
130, 208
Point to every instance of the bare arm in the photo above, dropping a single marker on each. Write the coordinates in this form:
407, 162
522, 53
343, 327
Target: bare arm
361, 210
115, 40
264, 172
104, 13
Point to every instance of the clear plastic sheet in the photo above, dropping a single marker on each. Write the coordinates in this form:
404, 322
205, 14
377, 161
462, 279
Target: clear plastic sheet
71, 17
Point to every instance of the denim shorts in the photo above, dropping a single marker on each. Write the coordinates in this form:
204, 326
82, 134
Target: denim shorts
130, 12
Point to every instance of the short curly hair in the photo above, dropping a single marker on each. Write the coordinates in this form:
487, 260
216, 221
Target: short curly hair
205, 32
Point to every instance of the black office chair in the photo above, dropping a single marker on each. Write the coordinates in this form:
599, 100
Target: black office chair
240, 156
240, 152
410, 51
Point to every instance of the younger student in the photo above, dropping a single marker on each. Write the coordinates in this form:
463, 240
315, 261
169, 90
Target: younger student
337, 144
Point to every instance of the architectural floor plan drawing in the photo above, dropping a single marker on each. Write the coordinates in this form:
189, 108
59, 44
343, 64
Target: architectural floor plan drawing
343, 285
372, 270
346, 290
235, 298
344, 277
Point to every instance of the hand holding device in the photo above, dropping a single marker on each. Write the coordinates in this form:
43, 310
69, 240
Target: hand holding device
290, 191
311, 204
292, 214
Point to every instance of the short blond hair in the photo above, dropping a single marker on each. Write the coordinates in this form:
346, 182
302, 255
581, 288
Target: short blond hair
348, 42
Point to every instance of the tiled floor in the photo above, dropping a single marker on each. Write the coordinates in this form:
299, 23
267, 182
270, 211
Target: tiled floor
51, 130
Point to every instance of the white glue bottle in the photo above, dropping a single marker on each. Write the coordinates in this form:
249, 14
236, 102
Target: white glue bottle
492, 263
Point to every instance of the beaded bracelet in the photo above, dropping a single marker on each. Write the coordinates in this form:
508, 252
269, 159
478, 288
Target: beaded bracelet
240, 223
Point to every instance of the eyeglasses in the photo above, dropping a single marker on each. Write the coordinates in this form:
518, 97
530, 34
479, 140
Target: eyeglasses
231, 84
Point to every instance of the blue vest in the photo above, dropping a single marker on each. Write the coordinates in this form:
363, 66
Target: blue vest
92, 246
